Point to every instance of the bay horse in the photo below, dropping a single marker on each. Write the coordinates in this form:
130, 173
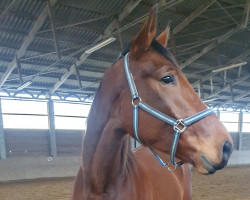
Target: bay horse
157, 170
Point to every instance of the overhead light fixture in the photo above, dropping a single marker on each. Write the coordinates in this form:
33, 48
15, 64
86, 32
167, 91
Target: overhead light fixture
100, 45
24, 85
230, 67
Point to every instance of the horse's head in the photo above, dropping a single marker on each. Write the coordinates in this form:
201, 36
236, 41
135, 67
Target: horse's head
160, 83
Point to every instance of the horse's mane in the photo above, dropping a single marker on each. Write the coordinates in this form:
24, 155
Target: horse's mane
126, 151
130, 161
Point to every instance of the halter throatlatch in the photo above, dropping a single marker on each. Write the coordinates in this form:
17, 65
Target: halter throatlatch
179, 126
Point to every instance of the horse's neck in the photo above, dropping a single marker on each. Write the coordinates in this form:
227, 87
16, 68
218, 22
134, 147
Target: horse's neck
105, 146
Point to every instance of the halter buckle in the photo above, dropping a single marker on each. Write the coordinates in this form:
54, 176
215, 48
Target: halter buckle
180, 126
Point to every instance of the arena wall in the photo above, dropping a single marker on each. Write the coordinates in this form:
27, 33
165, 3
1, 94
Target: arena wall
28, 154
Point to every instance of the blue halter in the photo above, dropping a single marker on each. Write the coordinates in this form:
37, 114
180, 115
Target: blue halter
178, 125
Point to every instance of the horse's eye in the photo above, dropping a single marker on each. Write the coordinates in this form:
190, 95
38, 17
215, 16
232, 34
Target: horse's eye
169, 79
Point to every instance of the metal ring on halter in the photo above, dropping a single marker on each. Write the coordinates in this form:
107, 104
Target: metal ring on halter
169, 169
180, 126
139, 99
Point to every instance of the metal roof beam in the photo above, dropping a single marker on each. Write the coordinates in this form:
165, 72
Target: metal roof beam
237, 81
228, 14
52, 21
217, 20
209, 47
40, 88
246, 14
232, 2
52, 78
6, 9
95, 63
236, 98
111, 27
19, 14
61, 37
83, 6
27, 41
236, 59
61, 22
78, 77
202, 16
192, 16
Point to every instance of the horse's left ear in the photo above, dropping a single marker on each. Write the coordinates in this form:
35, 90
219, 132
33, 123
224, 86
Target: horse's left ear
163, 37
146, 35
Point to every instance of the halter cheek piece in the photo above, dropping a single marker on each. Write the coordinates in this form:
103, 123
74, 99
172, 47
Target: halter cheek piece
179, 125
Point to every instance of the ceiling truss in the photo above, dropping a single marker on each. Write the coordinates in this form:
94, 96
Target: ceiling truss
66, 67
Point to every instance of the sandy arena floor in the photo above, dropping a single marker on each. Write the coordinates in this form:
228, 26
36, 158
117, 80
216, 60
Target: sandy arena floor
229, 184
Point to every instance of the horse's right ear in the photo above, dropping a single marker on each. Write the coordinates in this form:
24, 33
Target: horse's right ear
144, 38
163, 37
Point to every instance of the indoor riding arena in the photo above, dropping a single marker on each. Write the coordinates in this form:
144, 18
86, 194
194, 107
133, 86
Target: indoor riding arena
53, 57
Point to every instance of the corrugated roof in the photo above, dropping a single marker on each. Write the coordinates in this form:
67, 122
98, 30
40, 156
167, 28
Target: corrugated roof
79, 23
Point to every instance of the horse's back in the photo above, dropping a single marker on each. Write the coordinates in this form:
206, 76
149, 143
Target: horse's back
159, 183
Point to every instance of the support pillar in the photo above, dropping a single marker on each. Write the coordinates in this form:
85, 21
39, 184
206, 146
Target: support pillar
52, 132
218, 113
2, 137
240, 129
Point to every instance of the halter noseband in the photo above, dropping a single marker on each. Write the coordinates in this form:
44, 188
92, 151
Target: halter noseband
179, 126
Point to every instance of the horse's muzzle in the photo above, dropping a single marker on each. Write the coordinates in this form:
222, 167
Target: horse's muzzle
226, 152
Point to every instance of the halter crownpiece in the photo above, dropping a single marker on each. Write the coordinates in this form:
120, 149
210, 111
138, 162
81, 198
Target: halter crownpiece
179, 126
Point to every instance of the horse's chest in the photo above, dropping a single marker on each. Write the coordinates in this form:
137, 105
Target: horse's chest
152, 189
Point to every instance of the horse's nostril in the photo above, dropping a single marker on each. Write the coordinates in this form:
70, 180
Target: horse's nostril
227, 150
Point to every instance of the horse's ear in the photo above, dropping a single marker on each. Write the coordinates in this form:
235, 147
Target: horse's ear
144, 38
163, 37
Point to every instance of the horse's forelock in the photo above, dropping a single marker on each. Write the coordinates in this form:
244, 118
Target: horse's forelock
164, 51
156, 46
